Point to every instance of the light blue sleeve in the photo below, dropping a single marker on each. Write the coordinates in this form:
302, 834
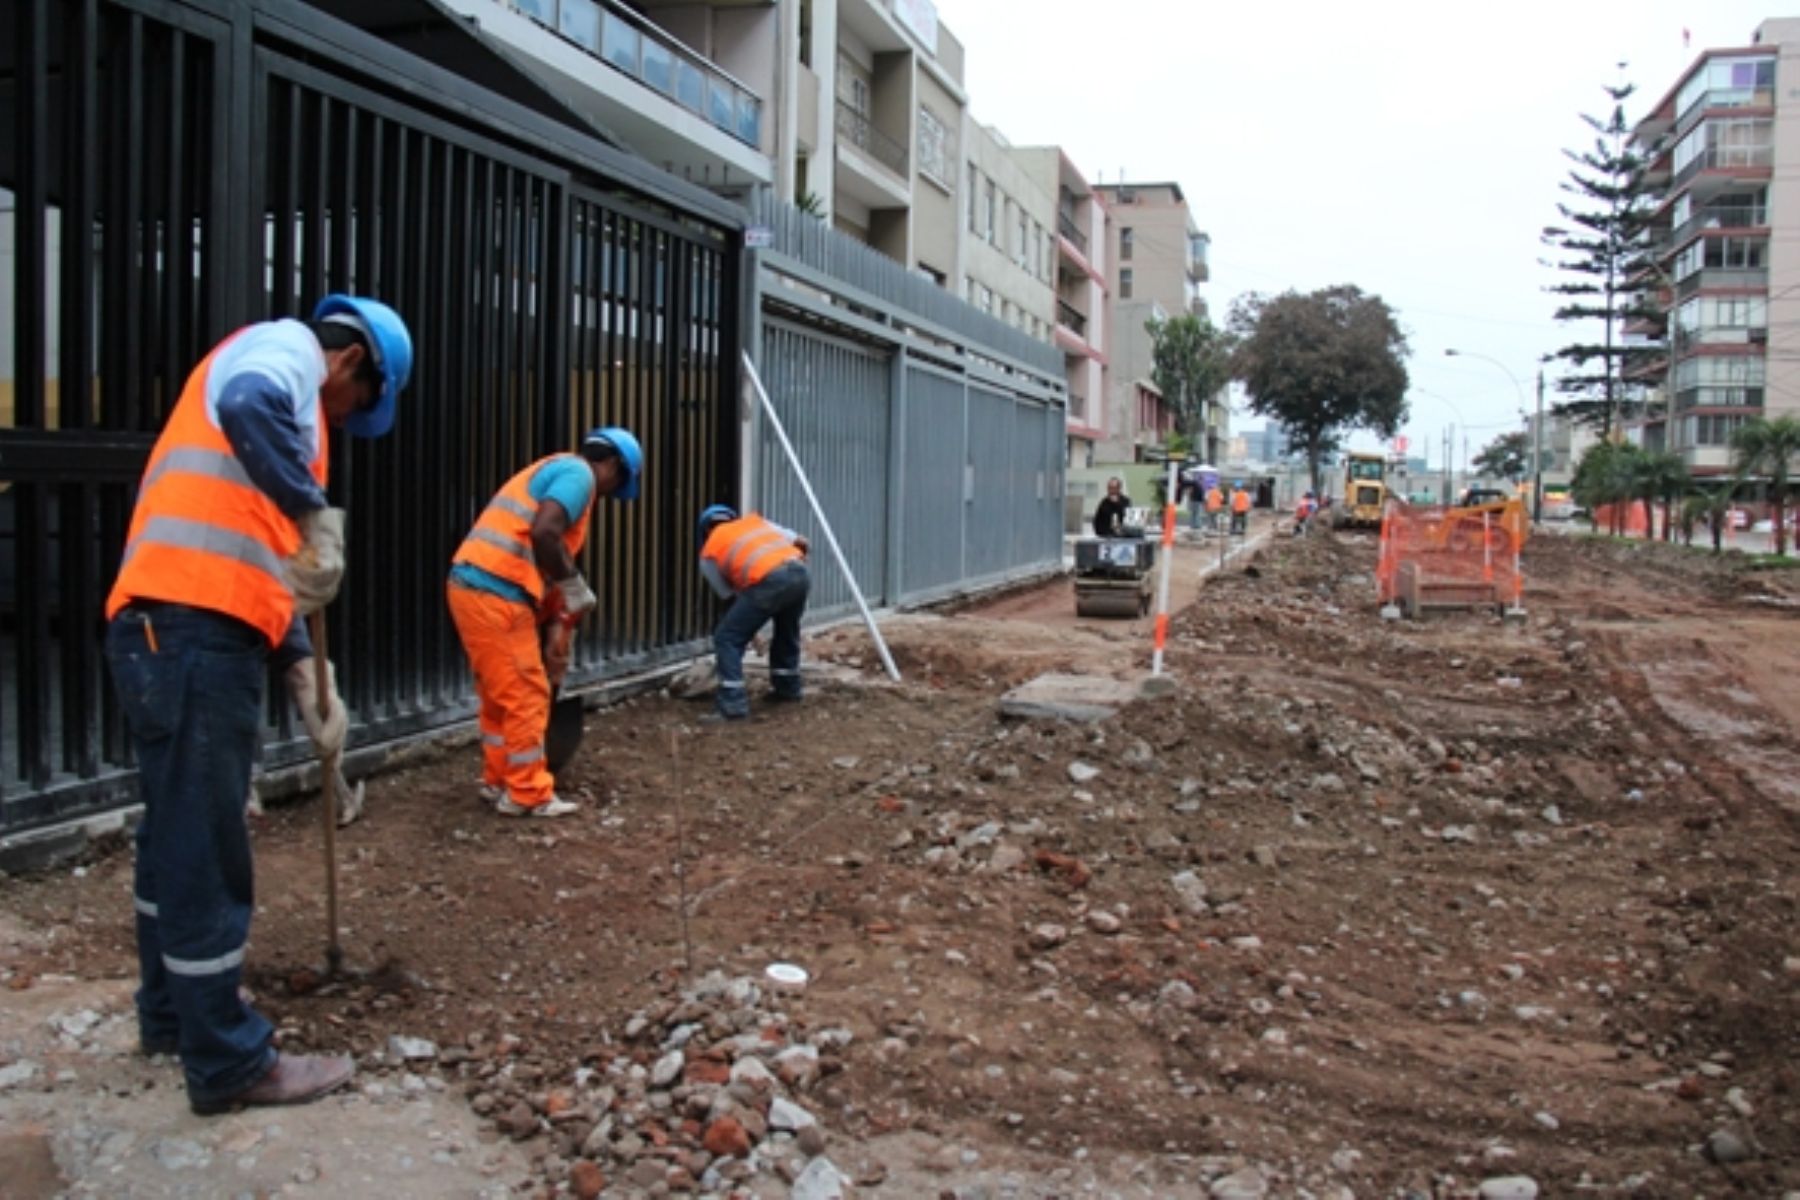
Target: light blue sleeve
709, 571
568, 481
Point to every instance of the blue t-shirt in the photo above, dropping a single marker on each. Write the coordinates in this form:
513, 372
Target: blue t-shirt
569, 481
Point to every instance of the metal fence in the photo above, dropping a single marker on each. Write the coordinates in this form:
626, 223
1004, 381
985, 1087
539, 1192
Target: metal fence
932, 433
175, 169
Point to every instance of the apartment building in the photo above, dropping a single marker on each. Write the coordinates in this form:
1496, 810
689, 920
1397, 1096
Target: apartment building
1009, 240
1083, 298
1156, 263
1726, 247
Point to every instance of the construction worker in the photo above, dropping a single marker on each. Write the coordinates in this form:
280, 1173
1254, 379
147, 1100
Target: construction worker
515, 596
1303, 512
1240, 507
1215, 505
761, 568
231, 544
1109, 514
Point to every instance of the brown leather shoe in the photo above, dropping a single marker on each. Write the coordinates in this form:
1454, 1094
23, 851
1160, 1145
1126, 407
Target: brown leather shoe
294, 1079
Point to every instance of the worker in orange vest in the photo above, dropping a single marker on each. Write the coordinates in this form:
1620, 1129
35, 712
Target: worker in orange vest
761, 568
1240, 507
515, 596
1215, 505
232, 543
1303, 512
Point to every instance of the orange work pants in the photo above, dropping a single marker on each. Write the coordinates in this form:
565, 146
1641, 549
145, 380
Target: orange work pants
501, 639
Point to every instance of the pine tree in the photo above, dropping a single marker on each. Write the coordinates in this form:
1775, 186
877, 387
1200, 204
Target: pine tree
1604, 249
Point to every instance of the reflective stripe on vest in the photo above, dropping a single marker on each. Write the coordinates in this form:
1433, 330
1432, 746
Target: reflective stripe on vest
202, 534
500, 542
747, 549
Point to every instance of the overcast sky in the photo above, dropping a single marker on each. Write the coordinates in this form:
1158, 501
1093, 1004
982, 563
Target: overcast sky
1411, 148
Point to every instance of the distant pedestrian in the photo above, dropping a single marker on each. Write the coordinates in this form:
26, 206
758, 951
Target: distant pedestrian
1215, 506
1303, 514
1109, 516
1193, 490
1240, 507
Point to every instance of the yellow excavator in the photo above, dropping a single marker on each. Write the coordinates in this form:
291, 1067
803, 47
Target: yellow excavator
1365, 489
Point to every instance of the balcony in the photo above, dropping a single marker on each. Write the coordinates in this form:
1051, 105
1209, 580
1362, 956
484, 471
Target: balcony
858, 130
1727, 161
1719, 216
1065, 225
1720, 278
628, 43
1071, 317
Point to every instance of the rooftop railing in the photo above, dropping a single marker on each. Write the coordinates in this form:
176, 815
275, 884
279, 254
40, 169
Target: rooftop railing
856, 128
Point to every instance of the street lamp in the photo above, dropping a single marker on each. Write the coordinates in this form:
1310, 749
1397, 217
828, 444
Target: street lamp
1537, 427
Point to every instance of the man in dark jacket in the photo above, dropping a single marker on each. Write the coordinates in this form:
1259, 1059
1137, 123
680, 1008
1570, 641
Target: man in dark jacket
1109, 517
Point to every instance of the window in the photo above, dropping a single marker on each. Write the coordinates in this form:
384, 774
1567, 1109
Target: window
974, 199
1125, 284
1729, 83
1019, 249
989, 220
936, 151
1720, 370
1125, 243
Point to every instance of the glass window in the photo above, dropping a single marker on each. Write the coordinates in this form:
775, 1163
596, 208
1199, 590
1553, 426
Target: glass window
690, 85
1125, 282
659, 67
990, 223
721, 104
538, 10
1125, 242
619, 44
579, 21
974, 199
749, 126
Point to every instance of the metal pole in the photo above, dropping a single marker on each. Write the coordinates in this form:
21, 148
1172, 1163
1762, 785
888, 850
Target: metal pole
1162, 584
768, 408
1537, 457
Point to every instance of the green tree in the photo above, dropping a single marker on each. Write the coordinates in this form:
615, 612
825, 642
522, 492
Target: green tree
1504, 457
1658, 476
1767, 447
1711, 508
1604, 479
1192, 358
1601, 248
1322, 364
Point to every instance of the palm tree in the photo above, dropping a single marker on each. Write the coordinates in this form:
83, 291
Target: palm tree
1660, 475
1767, 447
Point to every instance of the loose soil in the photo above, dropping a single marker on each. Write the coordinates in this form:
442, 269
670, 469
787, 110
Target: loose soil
1375, 908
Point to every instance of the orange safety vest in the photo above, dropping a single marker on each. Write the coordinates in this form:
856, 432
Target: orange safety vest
1240, 501
747, 549
1215, 500
500, 543
202, 534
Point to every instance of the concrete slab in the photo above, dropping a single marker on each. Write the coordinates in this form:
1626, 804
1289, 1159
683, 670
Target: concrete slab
1058, 697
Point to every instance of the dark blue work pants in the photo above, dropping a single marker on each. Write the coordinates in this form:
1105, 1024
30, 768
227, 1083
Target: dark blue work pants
780, 596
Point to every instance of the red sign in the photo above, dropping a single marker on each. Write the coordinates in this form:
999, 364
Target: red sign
1400, 445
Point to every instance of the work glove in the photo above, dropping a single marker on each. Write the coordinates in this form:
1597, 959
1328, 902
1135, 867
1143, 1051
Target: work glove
315, 570
327, 732
559, 643
577, 596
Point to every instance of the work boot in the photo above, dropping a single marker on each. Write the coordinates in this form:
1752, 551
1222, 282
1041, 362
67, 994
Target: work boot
553, 807
490, 792
294, 1079
719, 716
793, 697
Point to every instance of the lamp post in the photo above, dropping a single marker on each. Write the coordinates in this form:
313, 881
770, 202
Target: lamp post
1537, 440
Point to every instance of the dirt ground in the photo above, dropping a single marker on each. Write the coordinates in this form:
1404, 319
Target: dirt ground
1364, 908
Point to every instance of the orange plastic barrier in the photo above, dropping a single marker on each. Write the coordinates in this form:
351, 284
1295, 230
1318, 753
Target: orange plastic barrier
1451, 557
1630, 517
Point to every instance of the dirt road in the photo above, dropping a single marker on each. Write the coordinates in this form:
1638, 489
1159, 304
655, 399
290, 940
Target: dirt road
1364, 909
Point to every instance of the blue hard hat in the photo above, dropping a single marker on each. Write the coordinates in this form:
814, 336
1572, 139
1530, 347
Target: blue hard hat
390, 345
630, 454
711, 515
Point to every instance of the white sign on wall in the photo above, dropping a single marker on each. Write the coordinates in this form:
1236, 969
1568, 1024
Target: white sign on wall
920, 17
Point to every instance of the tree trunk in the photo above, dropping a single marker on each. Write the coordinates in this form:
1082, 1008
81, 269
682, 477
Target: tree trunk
1667, 536
1718, 533
1780, 527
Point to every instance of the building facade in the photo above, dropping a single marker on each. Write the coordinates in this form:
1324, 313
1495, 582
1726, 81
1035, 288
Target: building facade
1724, 143
1083, 300
1156, 263
1009, 238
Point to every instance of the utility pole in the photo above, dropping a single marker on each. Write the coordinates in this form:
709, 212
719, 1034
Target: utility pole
1537, 456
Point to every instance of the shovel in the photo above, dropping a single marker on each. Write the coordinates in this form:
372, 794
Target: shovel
563, 737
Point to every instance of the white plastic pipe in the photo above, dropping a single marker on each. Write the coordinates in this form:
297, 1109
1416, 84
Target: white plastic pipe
887, 660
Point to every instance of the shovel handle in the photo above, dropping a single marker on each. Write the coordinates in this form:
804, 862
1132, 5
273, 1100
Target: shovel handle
315, 625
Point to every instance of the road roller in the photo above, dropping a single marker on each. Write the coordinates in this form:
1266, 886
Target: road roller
1112, 576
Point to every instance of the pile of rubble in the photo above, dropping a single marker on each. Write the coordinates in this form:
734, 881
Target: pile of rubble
700, 1093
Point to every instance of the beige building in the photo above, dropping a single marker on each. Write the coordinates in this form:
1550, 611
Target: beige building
1725, 148
1156, 264
1009, 238
1083, 319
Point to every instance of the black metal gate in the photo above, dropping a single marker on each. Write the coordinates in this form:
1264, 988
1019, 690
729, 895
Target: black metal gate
175, 169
